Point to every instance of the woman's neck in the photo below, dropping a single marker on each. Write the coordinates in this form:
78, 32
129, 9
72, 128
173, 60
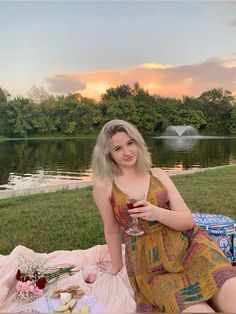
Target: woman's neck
132, 180
132, 172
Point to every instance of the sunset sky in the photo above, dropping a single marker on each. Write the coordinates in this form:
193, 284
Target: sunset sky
172, 48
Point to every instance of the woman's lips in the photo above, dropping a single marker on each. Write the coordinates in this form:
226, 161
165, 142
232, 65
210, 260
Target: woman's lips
128, 159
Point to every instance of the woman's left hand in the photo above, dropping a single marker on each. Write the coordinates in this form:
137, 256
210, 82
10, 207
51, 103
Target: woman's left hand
146, 211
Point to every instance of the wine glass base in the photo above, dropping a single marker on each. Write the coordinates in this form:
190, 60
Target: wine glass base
90, 299
134, 232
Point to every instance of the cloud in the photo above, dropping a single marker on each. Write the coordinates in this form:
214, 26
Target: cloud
154, 66
232, 24
158, 79
64, 83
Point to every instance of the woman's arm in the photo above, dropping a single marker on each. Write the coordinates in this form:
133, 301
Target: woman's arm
179, 217
101, 195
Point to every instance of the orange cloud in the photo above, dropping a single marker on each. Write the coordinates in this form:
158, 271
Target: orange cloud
163, 80
155, 66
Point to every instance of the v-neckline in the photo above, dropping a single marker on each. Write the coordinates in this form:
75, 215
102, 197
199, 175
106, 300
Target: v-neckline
146, 194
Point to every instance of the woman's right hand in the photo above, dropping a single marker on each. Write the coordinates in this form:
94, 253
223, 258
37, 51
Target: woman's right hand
106, 267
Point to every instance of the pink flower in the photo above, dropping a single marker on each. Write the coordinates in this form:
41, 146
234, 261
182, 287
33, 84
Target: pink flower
19, 286
31, 288
25, 287
38, 292
32, 278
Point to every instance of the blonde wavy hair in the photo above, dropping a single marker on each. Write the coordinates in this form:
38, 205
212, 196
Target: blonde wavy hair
103, 165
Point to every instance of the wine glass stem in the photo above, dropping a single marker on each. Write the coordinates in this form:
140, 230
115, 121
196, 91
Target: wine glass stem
90, 289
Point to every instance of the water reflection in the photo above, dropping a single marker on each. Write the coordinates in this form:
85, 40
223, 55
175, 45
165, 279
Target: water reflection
201, 152
70, 158
180, 143
64, 158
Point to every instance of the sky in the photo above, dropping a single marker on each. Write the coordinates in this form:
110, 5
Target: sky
172, 48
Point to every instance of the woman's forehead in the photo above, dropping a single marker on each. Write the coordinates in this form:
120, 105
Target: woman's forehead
119, 138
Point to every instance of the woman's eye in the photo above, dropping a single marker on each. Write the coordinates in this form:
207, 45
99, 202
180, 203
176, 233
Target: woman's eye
131, 142
117, 149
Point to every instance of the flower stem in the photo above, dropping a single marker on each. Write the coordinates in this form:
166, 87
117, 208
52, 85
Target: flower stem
59, 272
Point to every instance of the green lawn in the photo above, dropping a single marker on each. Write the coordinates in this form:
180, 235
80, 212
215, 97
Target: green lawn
212, 191
69, 220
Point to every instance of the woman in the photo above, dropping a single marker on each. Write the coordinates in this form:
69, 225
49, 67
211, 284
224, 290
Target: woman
174, 266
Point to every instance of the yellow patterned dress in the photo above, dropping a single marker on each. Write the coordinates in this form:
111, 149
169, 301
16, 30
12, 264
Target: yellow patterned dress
169, 270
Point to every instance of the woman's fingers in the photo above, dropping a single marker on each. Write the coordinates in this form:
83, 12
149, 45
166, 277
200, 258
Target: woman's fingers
136, 210
139, 212
139, 215
138, 205
145, 212
141, 203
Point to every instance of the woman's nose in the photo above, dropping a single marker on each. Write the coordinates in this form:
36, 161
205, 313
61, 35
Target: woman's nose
126, 151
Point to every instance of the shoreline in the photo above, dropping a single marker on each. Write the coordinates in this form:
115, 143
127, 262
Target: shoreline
56, 185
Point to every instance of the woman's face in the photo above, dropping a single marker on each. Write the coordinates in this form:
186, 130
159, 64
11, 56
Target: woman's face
123, 150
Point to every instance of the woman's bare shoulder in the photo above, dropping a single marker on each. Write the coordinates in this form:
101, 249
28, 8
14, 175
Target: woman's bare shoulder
158, 172
102, 193
101, 184
161, 175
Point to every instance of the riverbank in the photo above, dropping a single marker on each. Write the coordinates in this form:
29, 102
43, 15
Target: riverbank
68, 219
50, 185
53, 185
49, 137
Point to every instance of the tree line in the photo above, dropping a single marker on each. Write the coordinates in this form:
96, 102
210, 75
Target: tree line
42, 114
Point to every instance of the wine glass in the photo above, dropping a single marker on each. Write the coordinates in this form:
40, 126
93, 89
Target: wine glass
134, 229
90, 273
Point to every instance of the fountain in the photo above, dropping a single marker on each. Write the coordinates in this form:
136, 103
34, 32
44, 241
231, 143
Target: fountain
180, 137
183, 138
181, 130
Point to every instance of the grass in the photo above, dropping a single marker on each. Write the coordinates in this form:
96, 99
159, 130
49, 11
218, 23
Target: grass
46, 222
211, 191
68, 219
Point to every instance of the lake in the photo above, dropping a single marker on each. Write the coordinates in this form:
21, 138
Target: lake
70, 158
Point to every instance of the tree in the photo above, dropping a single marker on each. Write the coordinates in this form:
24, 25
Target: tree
140, 94
38, 94
169, 114
232, 120
4, 96
124, 109
148, 118
18, 114
192, 117
118, 92
216, 105
76, 114
42, 123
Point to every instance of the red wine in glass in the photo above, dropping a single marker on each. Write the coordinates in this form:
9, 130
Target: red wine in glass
131, 205
134, 229
90, 273
90, 278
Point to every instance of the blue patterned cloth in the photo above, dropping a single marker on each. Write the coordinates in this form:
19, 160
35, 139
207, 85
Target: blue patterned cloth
222, 229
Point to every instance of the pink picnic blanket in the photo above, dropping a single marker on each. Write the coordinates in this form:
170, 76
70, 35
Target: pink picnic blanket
114, 292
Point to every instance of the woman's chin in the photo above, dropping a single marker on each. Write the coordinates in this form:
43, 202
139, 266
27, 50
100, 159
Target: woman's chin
130, 163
